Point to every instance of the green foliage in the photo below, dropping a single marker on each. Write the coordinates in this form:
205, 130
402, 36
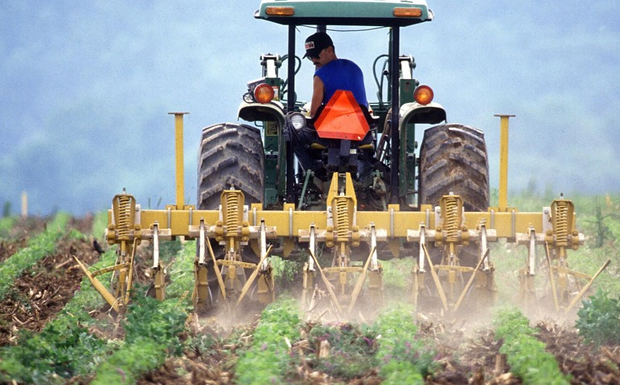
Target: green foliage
524, 353
183, 272
599, 319
64, 348
127, 364
6, 223
286, 272
38, 248
397, 273
100, 223
153, 329
267, 360
152, 333
160, 322
403, 359
351, 351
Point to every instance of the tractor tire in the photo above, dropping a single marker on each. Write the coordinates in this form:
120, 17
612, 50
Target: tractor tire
453, 158
231, 155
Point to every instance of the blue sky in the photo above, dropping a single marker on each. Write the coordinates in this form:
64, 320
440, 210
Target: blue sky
86, 87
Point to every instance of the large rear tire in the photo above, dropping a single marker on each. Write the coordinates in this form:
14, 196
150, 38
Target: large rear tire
453, 158
231, 155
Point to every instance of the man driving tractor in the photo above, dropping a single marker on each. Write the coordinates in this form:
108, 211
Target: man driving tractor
332, 74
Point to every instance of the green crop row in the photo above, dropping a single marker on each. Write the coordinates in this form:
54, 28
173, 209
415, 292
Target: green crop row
39, 247
65, 347
267, 359
525, 354
403, 358
6, 223
152, 328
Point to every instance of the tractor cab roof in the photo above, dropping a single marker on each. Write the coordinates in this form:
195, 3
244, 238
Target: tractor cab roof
345, 12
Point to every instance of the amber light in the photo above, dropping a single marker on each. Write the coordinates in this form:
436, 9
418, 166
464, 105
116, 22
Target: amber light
280, 11
407, 12
423, 95
263, 93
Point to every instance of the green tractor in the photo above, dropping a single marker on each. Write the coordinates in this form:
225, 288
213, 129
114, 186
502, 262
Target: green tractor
259, 159
266, 167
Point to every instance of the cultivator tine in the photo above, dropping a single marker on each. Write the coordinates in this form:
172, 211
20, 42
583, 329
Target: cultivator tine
328, 284
157, 269
586, 287
556, 303
527, 291
309, 271
438, 285
266, 291
200, 294
253, 276
471, 280
360, 280
218, 273
109, 298
128, 274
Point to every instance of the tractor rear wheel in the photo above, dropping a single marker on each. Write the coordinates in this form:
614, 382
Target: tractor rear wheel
231, 155
453, 158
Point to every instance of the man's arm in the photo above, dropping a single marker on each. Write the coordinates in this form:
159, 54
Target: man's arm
318, 90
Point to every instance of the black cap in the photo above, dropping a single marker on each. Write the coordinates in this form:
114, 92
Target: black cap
316, 43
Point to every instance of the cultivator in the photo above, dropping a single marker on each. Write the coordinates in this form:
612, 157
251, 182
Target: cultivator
437, 233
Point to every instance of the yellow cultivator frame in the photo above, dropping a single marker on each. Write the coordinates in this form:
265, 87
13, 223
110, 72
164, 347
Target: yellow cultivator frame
341, 228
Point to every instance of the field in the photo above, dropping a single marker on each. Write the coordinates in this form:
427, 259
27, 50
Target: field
56, 329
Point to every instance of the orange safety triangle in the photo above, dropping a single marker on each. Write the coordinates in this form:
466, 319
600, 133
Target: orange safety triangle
342, 118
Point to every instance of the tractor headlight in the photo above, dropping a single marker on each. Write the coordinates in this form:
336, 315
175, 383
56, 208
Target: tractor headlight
298, 120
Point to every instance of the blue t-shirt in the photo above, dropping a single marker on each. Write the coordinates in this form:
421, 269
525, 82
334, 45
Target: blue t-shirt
342, 74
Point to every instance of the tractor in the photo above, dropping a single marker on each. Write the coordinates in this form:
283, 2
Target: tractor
430, 204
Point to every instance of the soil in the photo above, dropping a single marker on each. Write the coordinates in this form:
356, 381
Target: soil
42, 291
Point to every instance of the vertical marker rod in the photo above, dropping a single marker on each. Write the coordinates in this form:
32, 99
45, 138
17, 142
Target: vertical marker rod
503, 162
180, 177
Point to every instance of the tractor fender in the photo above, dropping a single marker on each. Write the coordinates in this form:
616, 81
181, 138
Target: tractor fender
269, 112
432, 113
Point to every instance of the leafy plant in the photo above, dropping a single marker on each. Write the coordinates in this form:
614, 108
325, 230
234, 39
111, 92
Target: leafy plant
65, 347
153, 329
403, 359
524, 353
351, 349
599, 319
267, 360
